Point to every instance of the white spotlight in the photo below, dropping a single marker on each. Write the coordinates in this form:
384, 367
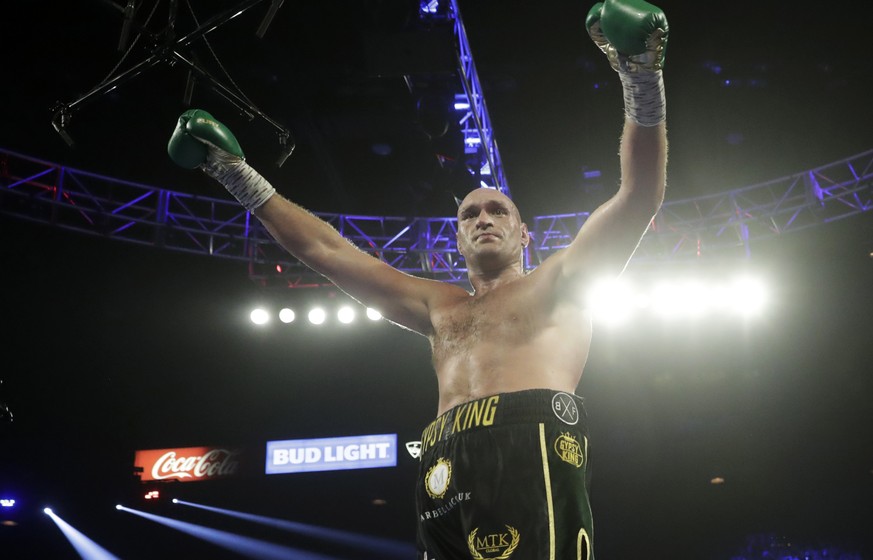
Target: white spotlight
373, 315
47, 511
317, 316
259, 316
287, 315
345, 314
668, 300
748, 296
694, 299
611, 301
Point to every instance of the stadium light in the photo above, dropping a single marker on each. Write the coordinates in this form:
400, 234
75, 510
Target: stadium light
287, 315
373, 315
615, 302
260, 316
317, 316
345, 314
86, 548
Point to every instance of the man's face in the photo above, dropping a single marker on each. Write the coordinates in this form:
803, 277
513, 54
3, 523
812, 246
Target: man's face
489, 225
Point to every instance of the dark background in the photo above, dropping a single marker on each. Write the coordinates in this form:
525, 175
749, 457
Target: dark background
109, 347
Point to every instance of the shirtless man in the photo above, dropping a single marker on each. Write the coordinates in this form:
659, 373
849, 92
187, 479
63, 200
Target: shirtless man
504, 465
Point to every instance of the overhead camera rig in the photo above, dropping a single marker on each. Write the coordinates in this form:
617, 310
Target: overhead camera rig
167, 49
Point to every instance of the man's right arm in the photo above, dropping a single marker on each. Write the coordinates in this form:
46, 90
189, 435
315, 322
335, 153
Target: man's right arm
399, 297
200, 141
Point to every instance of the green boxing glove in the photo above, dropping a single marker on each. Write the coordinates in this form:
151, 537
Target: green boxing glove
200, 141
633, 35
195, 132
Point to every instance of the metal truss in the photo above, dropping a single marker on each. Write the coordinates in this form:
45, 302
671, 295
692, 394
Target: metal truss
728, 223
84, 202
725, 224
480, 146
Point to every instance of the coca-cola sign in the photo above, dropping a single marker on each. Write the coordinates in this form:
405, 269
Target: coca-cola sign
187, 464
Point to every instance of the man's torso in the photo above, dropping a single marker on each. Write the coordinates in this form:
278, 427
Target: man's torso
521, 335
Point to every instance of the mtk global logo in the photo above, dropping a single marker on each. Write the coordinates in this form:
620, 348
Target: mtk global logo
493, 546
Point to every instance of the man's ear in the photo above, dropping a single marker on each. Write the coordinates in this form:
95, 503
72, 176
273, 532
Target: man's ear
525, 235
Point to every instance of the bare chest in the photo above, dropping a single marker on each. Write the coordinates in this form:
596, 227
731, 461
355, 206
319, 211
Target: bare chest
509, 318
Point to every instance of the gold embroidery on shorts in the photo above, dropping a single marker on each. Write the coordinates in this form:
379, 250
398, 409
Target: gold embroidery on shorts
438, 477
568, 449
501, 544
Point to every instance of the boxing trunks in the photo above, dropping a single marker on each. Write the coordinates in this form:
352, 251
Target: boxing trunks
506, 477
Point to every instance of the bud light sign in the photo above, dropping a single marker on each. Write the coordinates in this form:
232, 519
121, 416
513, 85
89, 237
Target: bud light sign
331, 454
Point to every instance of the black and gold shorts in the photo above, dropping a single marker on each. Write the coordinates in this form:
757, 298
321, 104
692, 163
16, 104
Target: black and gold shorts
506, 477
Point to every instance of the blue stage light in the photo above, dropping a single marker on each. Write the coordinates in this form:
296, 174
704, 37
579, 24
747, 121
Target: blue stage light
85, 547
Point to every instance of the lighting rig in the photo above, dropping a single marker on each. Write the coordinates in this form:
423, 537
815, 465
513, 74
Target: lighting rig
166, 48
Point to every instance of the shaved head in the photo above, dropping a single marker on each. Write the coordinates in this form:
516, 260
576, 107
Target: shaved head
484, 194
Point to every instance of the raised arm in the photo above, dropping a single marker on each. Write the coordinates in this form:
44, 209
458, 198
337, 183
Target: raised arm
633, 35
400, 297
201, 141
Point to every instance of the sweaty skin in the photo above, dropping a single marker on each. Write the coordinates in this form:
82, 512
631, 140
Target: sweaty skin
515, 330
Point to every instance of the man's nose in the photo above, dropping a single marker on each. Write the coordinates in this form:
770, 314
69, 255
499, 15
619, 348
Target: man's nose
483, 219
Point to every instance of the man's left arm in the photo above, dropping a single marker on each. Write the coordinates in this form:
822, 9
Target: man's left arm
611, 234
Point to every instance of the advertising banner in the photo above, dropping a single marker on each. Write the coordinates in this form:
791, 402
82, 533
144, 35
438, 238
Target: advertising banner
187, 464
330, 454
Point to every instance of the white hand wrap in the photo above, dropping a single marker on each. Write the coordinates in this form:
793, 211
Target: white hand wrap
644, 100
239, 178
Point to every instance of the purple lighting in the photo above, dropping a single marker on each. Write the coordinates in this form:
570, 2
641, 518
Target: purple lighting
381, 548
87, 549
247, 546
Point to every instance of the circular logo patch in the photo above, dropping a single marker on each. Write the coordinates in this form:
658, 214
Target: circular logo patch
564, 407
438, 477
